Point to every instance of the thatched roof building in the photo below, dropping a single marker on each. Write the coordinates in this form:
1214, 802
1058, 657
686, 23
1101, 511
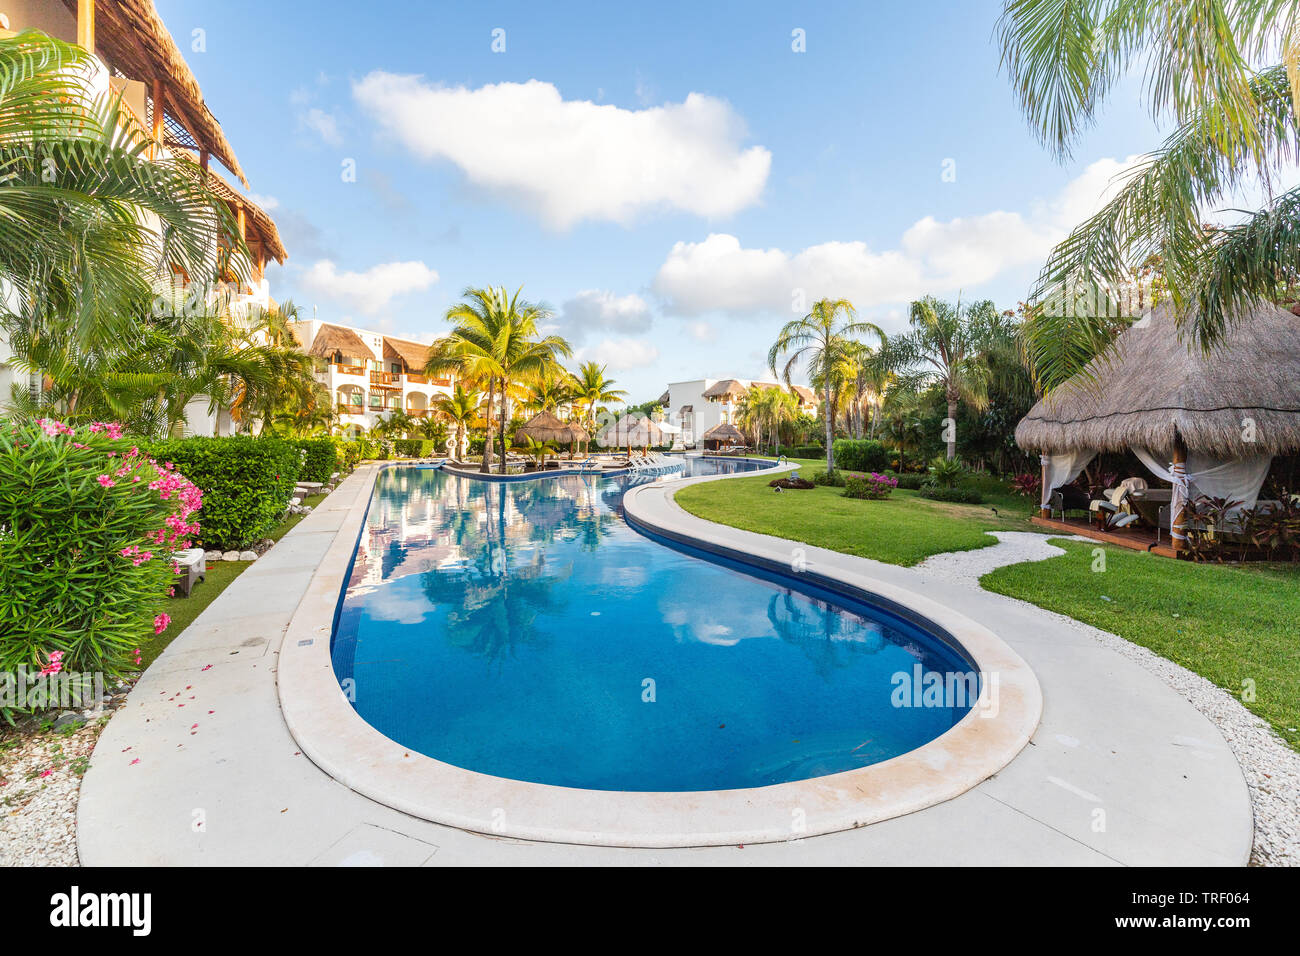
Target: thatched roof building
413, 354
1240, 400
727, 388
332, 340
544, 427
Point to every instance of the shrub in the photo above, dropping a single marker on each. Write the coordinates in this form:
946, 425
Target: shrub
87, 524
246, 482
909, 480
965, 496
348, 451
476, 445
321, 461
415, 447
802, 451
1027, 484
946, 472
860, 454
835, 478
871, 485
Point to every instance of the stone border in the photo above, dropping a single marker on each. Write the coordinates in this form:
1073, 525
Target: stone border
342, 744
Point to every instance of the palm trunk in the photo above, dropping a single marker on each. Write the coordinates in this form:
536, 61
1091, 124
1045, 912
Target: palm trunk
486, 465
504, 411
952, 428
830, 429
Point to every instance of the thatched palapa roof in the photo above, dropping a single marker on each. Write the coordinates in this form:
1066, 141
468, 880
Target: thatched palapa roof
723, 432
544, 426
261, 227
133, 39
1150, 385
412, 353
728, 387
804, 393
335, 338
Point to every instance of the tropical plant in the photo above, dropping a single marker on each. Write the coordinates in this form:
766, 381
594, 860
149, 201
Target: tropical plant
947, 345
496, 340
946, 472
460, 410
592, 388
819, 342
1233, 122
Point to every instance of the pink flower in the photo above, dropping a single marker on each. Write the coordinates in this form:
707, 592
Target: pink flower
46, 772
159, 625
106, 481
54, 666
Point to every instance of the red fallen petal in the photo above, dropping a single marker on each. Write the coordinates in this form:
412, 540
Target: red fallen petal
134, 762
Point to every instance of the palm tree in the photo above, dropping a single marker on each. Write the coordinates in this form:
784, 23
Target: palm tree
460, 409
592, 388
818, 341
1232, 124
496, 341
553, 389
946, 346
80, 249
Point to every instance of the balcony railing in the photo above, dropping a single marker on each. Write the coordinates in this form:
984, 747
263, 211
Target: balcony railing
386, 379
416, 379
417, 412
349, 369
346, 408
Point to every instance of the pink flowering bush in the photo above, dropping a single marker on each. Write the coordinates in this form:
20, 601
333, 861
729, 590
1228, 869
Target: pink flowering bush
87, 527
870, 485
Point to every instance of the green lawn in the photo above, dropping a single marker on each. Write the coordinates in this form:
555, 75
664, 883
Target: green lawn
902, 529
183, 610
1228, 624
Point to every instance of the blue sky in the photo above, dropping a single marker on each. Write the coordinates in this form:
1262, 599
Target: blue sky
672, 178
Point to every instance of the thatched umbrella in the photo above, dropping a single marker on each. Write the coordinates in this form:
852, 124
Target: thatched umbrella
1155, 392
722, 433
576, 433
544, 427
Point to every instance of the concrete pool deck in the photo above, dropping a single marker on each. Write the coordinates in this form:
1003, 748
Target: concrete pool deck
199, 767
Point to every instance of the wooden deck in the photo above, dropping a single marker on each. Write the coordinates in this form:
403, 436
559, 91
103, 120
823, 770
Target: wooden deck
1137, 539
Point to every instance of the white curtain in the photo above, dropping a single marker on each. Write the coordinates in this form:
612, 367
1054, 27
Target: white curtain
1062, 469
1238, 480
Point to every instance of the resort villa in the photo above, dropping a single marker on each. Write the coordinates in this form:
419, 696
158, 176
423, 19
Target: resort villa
139, 61
370, 375
705, 409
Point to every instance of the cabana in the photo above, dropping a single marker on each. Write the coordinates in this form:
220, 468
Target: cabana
720, 435
632, 430
1207, 423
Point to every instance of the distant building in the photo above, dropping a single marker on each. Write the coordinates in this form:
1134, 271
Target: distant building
704, 403
370, 375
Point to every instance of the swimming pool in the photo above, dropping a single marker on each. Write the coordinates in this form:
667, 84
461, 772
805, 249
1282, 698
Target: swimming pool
525, 631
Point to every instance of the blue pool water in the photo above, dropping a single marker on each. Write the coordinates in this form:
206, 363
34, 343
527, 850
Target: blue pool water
524, 630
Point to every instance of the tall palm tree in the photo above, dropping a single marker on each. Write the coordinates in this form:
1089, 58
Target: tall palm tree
818, 341
460, 409
593, 388
496, 340
946, 346
1232, 124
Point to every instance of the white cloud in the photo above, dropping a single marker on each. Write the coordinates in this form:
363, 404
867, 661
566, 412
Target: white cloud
620, 354
268, 203
719, 274
575, 160
702, 332
323, 124
370, 291
603, 311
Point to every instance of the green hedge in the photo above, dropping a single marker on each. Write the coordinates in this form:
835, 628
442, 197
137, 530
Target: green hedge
909, 480
247, 483
860, 454
322, 459
348, 452
415, 447
965, 496
835, 479
802, 451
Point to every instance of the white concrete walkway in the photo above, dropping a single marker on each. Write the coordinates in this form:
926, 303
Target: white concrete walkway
199, 768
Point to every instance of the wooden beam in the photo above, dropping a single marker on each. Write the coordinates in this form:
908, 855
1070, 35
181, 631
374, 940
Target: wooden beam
86, 25
243, 222
159, 111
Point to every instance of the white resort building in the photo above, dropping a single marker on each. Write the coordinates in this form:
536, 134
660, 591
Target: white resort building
139, 61
370, 375
704, 404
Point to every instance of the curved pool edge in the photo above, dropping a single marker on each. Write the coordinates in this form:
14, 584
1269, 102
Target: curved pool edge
343, 745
